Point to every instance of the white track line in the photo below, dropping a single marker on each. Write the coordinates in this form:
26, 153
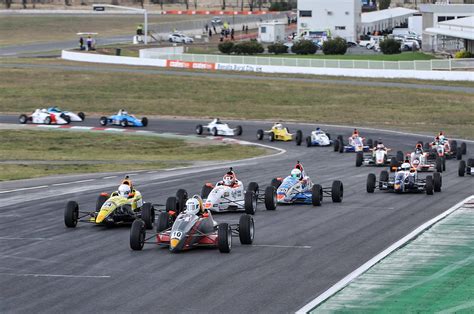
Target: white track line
19, 238
284, 246
110, 177
52, 275
72, 182
362, 269
24, 189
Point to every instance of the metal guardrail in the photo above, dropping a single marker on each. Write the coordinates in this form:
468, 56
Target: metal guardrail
419, 65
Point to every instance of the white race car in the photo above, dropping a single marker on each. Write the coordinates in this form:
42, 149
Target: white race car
222, 198
216, 127
42, 116
79, 117
180, 38
318, 138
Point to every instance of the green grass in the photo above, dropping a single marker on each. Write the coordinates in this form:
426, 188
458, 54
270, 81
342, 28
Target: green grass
35, 153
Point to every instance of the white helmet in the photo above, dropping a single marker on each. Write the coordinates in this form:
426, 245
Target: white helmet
405, 166
296, 173
278, 126
124, 190
192, 206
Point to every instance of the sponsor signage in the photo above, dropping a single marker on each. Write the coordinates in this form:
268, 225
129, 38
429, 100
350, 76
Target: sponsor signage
190, 65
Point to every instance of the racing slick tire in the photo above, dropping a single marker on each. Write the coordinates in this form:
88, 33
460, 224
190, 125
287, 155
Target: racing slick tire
23, 119
308, 141
429, 185
148, 215
370, 143
400, 156
336, 145
470, 162
47, 120
444, 163
439, 165
199, 129
437, 182
250, 202
463, 148
163, 222
383, 176
337, 191
328, 135
214, 132
71, 214
65, 118
459, 154
206, 189
137, 235
246, 229
275, 183
375, 143
171, 204
100, 201
359, 159
238, 130
124, 123
103, 121
426, 147
224, 238
144, 121
462, 168
454, 146
299, 137
271, 136
393, 164
270, 198
253, 186
181, 198
371, 180
316, 195
81, 115
341, 146
260, 134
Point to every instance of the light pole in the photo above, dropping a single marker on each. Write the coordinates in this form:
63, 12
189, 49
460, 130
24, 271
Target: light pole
101, 7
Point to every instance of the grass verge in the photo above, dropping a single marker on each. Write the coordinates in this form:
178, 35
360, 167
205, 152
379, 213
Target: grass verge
393, 108
35, 153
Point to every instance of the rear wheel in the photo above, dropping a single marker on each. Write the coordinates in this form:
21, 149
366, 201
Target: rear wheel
437, 182
214, 132
336, 145
100, 201
462, 168
250, 202
370, 143
459, 154
23, 119
206, 189
400, 156
384, 176
308, 141
137, 235
341, 146
199, 129
171, 204
103, 121
238, 130
224, 238
439, 165
359, 159
463, 148
148, 215
316, 195
253, 186
246, 229
71, 214
47, 120
81, 115
275, 183
371, 180
299, 137
163, 222
144, 121
124, 123
337, 191
260, 135
270, 198
393, 164
429, 186
271, 136
181, 198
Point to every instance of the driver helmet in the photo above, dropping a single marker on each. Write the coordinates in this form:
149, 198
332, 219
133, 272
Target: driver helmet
437, 139
405, 166
380, 145
278, 126
44, 110
318, 129
192, 206
355, 133
229, 178
124, 190
418, 150
296, 173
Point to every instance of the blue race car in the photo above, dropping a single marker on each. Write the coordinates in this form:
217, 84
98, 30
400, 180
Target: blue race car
124, 119
318, 138
298, 188
355, 144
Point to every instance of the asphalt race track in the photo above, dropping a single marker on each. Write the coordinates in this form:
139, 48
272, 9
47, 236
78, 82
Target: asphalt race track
299, 251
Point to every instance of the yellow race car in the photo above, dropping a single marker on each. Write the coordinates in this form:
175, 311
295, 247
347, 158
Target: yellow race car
279, 133
122, 206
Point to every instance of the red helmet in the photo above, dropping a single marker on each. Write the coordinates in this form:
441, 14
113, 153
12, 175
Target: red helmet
229, 178
419, 145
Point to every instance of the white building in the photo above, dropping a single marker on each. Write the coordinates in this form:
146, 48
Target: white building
339, 18
271, 32
385, 19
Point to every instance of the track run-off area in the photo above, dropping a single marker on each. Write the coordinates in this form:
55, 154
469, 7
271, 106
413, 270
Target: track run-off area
299, 251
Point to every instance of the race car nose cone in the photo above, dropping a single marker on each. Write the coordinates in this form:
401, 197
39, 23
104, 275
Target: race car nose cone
281, 196
174, 243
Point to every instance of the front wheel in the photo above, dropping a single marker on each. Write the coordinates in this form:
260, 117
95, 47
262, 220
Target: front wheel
81, 115
238, 130
259, 135
359, 159
137, 235
308, 141
214, 132
429, 186
463, 148
224, 238
250, 202
124, 123
246, 229
316, 195
371, 180
270, 198
23, 119
103, 121
337, 191
199, 129
144, 121
71, 214
299, 137
148, 215
437, 182
462, 168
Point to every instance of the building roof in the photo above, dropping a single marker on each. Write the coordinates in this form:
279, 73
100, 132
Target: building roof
376, 16
447, 8
458, 28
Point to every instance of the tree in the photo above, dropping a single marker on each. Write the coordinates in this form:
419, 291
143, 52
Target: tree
384, 4
223, 4
251, 4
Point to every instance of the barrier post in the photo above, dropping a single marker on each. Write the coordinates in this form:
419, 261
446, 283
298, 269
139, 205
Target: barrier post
324, 63
450, 64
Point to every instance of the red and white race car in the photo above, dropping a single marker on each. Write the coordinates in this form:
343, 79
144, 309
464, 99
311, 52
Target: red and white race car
42, 116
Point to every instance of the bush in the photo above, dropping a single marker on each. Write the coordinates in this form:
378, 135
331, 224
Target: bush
277, 48
248, 48
304, 47
390, 46
336, 46
463, 54
281, 6
226, 47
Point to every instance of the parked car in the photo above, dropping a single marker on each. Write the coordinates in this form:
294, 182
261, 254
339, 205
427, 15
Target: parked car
216, 20
180, 38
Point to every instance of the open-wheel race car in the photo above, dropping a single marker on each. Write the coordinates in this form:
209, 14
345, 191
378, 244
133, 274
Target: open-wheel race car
466, 168
405, 180
378, 157
318, 138
443, 148
42, 116
280, 133
124, 119
121, 207
73, 117
297, 188
217, 128
355, 144
193, 228
420, 161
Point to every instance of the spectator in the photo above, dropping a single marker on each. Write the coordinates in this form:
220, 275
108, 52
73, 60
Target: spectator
207, 28
246, 29
89, 43
243, 28
215, 30
222, 37
81, 43
232, 33
210, 34
140, 30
